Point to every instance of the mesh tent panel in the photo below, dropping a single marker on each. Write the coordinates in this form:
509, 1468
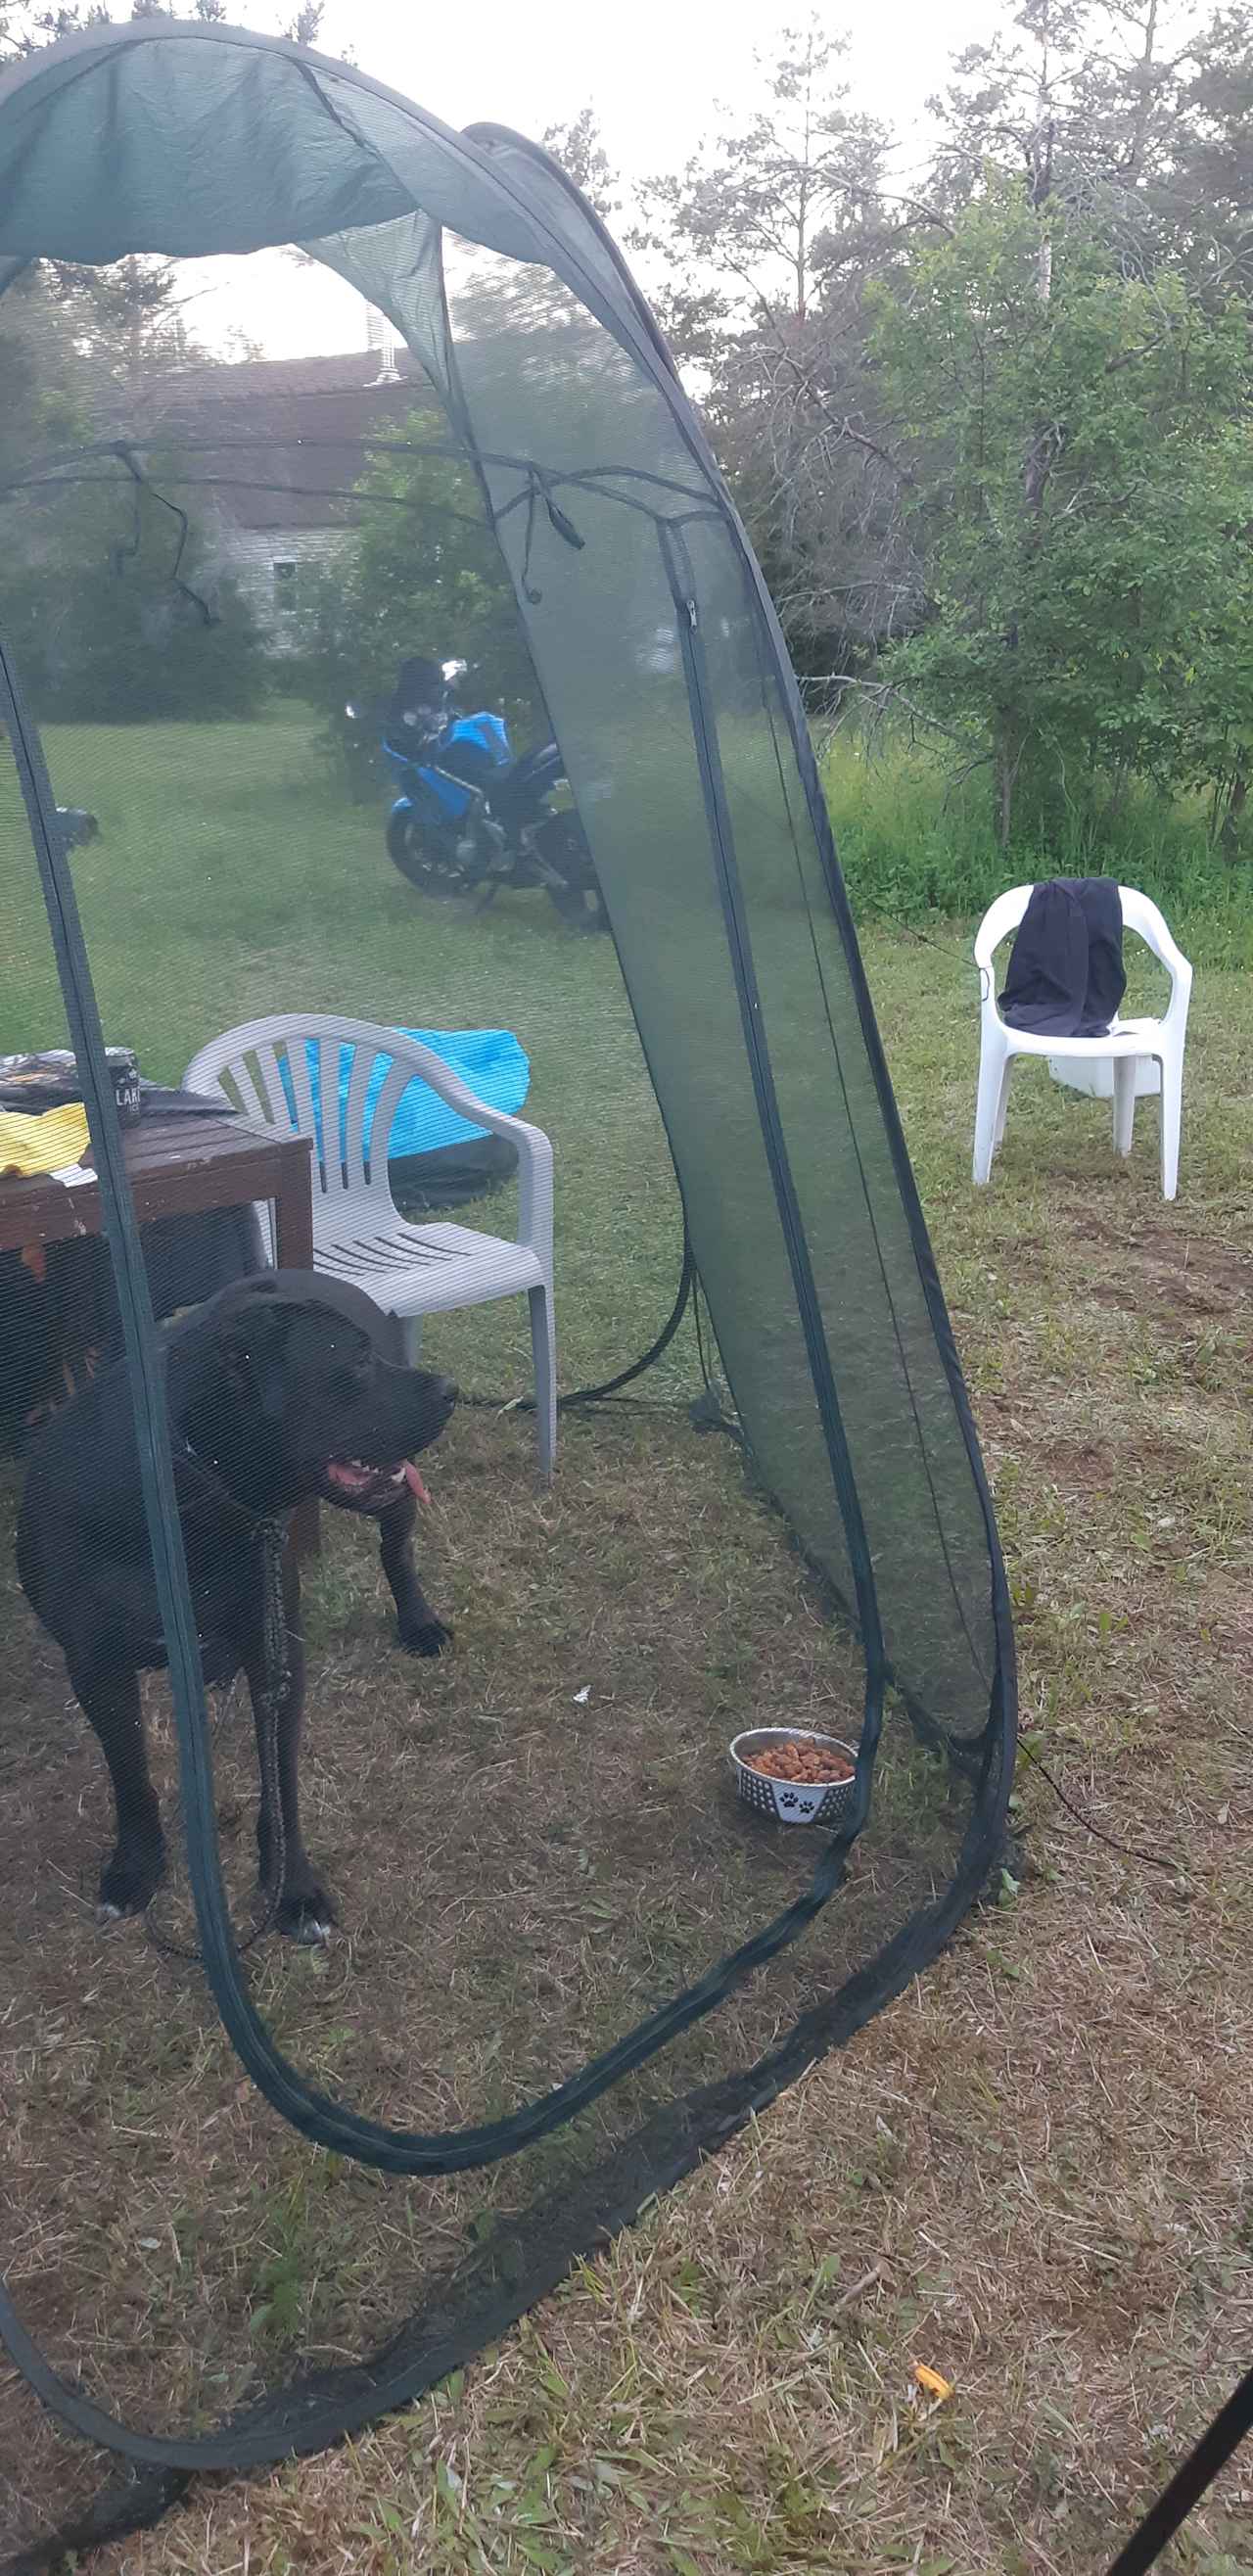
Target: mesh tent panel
642, 794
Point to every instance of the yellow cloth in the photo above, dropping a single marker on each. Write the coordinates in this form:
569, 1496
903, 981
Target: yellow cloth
43, 1144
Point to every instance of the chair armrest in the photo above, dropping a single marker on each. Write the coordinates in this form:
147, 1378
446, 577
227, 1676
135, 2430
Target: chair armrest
1143, 918
1180, 971
448, 1086
535, 1188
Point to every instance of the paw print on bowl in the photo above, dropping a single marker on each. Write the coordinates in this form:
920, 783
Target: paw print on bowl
788, 1798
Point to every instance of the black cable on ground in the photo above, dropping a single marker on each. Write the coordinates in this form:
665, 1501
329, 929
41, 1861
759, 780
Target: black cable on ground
626, 1376
1188, 2484
1129, 1851
706, 1412
585, 1395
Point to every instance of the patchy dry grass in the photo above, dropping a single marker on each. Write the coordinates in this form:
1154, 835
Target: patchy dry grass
523, 1872
1031, 2175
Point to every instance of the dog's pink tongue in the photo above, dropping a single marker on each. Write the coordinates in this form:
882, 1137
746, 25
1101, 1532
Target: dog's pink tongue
414, 1482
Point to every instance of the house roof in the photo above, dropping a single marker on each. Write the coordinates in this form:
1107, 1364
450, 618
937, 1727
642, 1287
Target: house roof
277, 437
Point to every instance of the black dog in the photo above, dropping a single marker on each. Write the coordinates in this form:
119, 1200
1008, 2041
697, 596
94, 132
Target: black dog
281, 1389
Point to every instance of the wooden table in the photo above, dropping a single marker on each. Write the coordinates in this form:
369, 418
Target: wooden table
183, 1166
178, 1166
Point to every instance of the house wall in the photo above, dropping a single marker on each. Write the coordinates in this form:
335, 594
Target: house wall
248, 557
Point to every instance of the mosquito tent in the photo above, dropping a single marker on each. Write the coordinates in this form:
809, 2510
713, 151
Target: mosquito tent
677, 1971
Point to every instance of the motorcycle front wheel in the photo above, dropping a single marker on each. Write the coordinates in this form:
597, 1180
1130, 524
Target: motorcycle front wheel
429, 863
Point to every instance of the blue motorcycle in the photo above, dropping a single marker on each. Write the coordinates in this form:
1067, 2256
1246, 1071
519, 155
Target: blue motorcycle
469, 818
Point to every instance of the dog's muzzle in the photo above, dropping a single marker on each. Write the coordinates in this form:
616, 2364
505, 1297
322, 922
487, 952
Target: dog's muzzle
360, 1485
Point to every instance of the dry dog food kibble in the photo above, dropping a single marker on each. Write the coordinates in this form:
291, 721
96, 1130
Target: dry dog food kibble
812, 1765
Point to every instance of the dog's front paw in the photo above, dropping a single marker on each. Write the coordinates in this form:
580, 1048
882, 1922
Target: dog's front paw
307, 1915
425, 1636
130, 1882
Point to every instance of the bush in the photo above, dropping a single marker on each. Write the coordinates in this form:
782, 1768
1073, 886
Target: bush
107, 632
912, 847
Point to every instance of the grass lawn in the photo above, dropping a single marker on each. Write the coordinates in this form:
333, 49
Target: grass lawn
1031, 2174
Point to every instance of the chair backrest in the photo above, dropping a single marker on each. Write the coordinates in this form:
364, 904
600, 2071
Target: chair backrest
337, 1081
1138, 914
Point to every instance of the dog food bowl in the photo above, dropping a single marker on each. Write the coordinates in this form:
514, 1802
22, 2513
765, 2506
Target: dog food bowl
793, 1802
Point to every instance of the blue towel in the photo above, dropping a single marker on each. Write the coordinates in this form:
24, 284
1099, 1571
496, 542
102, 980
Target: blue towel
489, 1061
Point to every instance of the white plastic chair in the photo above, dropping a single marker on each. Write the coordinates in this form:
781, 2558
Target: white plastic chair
1128, 1041
358, 1231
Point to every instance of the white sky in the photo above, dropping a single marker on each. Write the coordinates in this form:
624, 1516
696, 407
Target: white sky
656, 72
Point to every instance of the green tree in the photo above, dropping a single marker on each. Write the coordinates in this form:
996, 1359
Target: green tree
1075, 463
419, 572
760, 212
1065, 96
124, 323
770, 232
1125, 109
579, 147
43, 403
116, 616
1213, 163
